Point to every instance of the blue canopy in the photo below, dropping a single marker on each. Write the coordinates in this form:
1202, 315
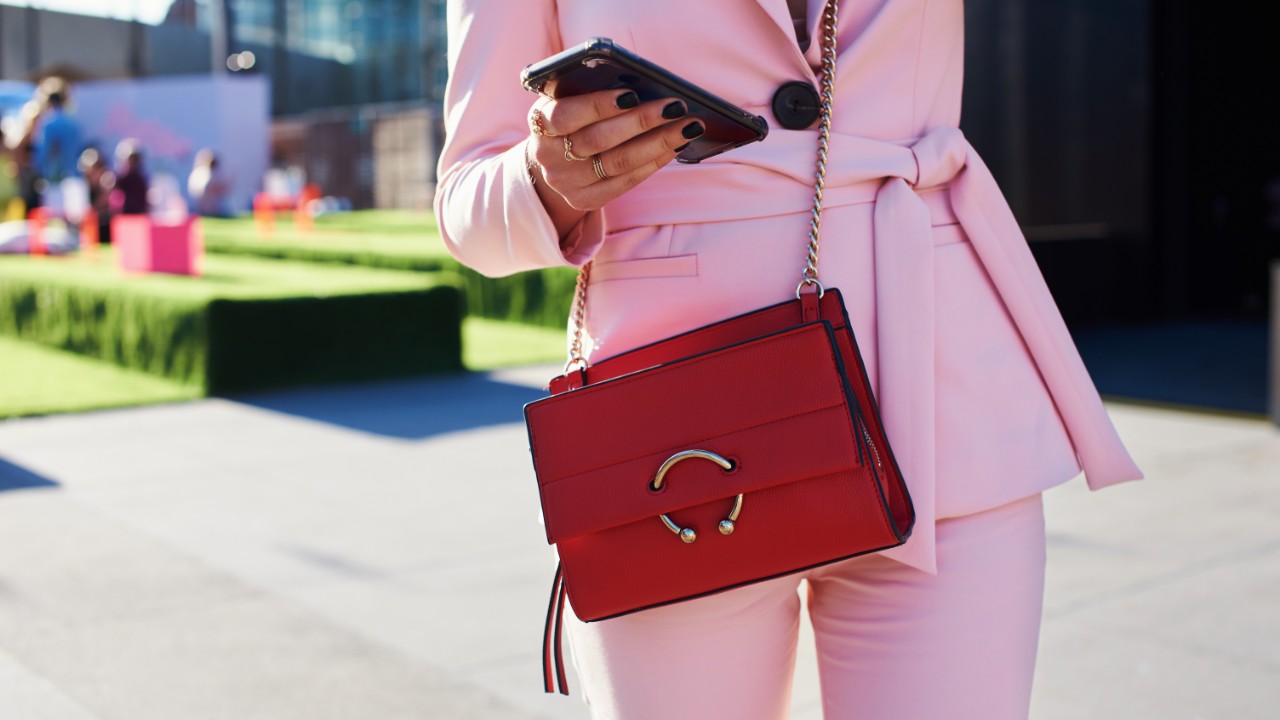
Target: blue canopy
14, 94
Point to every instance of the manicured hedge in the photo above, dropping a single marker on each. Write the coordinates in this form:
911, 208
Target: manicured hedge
389, 240
247, 324
164, 336
307, 341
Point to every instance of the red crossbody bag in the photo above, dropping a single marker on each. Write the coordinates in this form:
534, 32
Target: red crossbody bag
738, 452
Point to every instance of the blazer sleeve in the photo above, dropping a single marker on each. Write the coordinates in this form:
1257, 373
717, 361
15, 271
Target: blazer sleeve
487, 209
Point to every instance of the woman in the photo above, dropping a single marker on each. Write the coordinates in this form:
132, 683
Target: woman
982, 393
129, 197
206, 185
100, 181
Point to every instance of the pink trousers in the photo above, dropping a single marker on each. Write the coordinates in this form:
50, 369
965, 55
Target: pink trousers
893, 643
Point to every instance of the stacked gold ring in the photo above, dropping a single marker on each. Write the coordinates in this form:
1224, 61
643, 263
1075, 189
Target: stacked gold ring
536, 120
598, 167
568, 151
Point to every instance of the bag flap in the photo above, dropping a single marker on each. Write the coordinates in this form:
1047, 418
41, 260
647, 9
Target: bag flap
754, 324
778, 407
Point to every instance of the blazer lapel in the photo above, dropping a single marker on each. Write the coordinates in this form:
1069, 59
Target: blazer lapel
780, 16
813, 56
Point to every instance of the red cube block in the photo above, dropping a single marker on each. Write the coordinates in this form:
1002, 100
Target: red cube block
143, 246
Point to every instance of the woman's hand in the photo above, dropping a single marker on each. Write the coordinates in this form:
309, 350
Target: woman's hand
586, 150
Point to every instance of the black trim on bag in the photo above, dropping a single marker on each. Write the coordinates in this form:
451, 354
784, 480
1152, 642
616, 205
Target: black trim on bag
875, 409
727, 588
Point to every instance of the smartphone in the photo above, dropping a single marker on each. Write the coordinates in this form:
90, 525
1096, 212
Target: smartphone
601, 64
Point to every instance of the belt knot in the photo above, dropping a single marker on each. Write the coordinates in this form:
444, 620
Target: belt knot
940, 156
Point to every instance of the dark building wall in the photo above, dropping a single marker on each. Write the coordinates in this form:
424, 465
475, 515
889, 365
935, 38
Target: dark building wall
1130, 137
375, 155
1218, 177
103, 48
339, 155
1058, 102
404, 160
31, 39
181, 51
309, 82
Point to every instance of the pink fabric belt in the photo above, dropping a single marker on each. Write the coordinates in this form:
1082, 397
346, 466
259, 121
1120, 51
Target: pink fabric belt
862, 170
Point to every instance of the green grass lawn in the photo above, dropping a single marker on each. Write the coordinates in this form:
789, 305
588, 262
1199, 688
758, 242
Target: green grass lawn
400, 240
382, 222
224, 276
369, 222
35, 380
381, 238
491, 344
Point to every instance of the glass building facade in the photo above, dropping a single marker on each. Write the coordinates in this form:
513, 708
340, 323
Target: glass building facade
385, 50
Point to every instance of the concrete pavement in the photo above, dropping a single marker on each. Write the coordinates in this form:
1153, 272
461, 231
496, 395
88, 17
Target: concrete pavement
374, 552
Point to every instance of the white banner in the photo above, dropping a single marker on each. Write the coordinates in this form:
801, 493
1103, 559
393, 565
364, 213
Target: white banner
173, 117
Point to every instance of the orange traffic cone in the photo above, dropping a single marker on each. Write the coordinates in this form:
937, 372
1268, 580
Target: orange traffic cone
36, 221
264, 214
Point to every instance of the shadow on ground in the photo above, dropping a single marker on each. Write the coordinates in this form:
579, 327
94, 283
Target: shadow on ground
1219, 365
411, 409
16, 477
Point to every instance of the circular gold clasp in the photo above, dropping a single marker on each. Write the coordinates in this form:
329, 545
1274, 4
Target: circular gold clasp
688, 535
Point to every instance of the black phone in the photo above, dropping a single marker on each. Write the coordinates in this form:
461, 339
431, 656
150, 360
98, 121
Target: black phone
601, 64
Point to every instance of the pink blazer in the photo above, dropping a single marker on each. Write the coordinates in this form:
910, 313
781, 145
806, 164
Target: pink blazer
983, 394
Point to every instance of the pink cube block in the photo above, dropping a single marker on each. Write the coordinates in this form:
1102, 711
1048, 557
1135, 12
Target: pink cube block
143, 246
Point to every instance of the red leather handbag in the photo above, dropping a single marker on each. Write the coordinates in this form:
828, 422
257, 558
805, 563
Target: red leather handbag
738, 452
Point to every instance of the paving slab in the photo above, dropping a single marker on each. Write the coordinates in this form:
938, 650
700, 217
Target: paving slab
375, 551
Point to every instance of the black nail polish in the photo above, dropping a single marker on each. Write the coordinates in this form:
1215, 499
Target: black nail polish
674, 109
682, 147
693, 130
627, 100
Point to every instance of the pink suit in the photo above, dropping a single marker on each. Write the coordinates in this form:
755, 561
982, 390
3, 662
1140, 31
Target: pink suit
983, 394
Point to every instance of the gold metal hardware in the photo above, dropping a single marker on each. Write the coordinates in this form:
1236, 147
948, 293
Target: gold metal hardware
686, 455
688, 535
578, 319
811, 281
829, 22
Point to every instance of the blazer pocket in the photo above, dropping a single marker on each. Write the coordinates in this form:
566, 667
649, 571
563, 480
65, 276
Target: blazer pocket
655, 267
950, 234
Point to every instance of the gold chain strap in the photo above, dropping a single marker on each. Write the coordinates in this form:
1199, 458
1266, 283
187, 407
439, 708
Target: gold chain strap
829, 19
810, 274
579, 319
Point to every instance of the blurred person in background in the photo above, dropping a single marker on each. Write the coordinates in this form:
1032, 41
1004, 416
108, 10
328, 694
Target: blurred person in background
57, 137
8, 177
130, 194
100, 181
29, 180
18, 179
207, 186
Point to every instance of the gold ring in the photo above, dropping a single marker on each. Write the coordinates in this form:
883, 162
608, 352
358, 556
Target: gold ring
568, 151
536, 120
598, 167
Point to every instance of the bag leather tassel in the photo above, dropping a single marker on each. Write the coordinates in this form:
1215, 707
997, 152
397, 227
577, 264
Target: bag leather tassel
552, 638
